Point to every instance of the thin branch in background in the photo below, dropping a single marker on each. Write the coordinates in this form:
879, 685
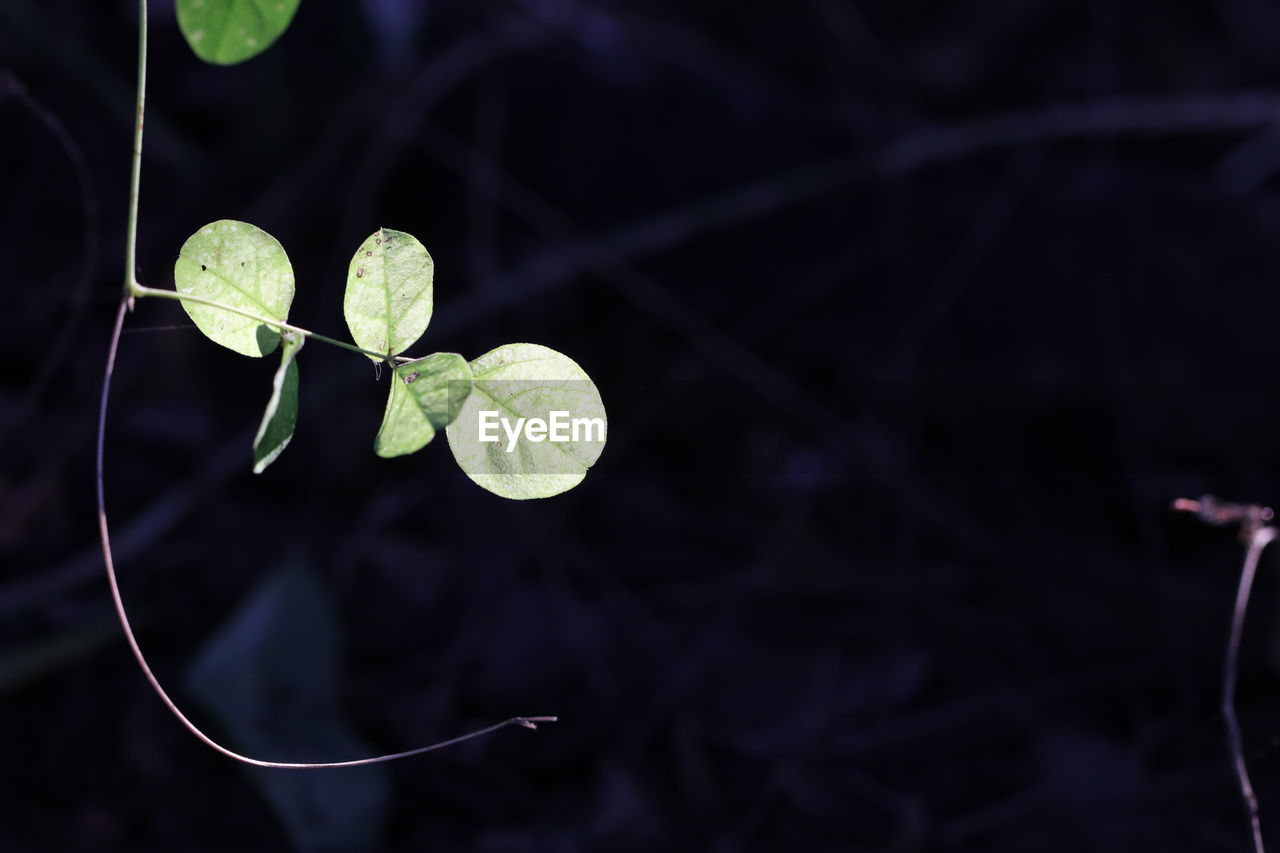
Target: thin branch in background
180, 327
757, 374
57, 352
1256, 533
913, 151
411, 108
489, 129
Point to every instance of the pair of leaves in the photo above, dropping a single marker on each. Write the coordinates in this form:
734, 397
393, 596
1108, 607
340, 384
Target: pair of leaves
240, 265
226, 32
512, 386
388, 299
426, 395
239, 285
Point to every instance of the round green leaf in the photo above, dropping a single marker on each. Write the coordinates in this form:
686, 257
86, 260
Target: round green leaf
533, 425
425, 396
225, 32
244, 267
388, 300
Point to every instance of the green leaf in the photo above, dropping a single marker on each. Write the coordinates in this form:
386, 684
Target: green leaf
388, 299
531, 382
225, 32
281, 415
426, 395
270, 676
241, 266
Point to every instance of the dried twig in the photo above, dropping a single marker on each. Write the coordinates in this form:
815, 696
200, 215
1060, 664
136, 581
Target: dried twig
1256, 534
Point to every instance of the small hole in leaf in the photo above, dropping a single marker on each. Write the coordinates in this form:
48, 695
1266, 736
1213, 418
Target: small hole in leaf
368, 254
410, 378
360, 272
379, 241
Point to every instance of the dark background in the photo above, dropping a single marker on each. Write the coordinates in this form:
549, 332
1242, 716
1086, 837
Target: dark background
911, 320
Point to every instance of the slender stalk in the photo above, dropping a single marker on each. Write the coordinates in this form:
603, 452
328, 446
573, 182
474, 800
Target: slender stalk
1256, 533
132, 289
135, 178
1258, 540
138, 290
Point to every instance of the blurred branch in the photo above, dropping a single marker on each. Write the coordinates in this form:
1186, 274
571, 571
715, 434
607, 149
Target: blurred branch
912, 152
603, 257
408, 111
1229, 112
44, 42
12, 86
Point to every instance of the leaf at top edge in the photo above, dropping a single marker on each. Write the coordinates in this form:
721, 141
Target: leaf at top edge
244, 267
281, 414
426, 395
225, 32
388, 299
531, 382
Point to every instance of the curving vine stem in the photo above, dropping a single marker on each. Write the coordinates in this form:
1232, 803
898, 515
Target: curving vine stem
104, 531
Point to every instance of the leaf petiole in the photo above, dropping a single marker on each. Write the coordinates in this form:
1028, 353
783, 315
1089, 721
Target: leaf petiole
142, 291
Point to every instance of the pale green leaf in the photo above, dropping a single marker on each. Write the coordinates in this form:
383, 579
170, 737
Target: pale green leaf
426, 395
281, 414
388, 300
225, 32
537, 384
241, 266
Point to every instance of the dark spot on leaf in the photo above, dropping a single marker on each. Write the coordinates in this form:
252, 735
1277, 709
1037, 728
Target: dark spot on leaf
202, 268
410, 377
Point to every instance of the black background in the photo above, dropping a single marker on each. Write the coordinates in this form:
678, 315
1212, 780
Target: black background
911, 320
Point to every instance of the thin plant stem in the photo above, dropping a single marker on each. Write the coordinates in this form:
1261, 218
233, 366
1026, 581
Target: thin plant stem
138, 290
135, 177
1256, 533
132, 289
131, 285
1258, 540
104, 533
